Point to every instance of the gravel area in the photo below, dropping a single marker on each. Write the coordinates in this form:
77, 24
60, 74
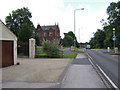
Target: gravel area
35, 70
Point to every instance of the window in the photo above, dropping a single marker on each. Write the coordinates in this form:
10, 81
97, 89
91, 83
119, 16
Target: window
50, 33
44, 34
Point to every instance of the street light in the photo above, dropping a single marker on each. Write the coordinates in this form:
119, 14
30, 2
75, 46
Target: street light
114, 36
74, 24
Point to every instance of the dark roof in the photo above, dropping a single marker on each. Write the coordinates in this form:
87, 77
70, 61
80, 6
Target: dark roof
54, 27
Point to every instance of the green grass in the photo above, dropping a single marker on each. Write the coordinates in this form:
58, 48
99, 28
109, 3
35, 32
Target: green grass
69, 55
78, 51
39, 48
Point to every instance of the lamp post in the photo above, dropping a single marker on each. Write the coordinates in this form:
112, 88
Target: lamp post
114, 36
74, 25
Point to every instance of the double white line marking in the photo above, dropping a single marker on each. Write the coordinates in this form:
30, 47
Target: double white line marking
91, 61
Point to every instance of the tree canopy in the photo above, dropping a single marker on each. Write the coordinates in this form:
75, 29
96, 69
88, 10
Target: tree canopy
68, 39
113, 11
17, 20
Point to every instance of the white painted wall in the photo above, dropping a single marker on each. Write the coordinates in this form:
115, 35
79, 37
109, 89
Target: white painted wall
6, 34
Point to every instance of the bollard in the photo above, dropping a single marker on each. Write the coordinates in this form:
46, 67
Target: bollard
108, 49
116, 49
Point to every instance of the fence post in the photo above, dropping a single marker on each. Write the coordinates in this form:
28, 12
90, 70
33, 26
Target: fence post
31, 48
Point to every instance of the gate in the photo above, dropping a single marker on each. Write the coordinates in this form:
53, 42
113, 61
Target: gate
23, 48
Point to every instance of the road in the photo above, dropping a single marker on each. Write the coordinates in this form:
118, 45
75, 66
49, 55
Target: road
107, 63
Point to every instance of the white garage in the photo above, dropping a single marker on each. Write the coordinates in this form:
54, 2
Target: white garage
8, 46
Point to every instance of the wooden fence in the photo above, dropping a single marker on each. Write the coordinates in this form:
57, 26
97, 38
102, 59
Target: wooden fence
43, 53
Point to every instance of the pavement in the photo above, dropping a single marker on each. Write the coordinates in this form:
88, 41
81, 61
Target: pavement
81, 74
65, 73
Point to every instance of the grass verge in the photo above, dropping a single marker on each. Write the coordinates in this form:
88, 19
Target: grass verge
69, 55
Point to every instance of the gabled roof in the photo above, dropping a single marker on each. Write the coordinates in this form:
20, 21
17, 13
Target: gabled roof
54, 27
8, 30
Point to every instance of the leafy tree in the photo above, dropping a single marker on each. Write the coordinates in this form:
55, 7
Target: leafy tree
114, 19
18, 19
97, 41
68, 39
113, 12
37, 39
92, 42
25, 33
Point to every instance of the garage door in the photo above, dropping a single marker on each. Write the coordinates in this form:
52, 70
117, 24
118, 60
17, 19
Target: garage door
7, 53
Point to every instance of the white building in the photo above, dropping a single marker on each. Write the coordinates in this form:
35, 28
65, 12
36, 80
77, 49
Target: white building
8, 46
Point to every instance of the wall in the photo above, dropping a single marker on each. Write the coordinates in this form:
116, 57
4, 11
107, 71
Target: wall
6, 34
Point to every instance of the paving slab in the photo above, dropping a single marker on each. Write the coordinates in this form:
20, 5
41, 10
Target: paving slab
81, 56
29, 85
82, 76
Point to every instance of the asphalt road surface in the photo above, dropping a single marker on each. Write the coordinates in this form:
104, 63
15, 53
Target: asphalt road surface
107, 63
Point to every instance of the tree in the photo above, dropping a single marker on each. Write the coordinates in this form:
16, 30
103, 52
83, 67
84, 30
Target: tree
97, 41
25, 33
19, 19
92, 42
68, 39
114, 19
37, 39
113, 12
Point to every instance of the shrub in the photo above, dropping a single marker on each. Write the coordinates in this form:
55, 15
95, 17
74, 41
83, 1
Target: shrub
52, 49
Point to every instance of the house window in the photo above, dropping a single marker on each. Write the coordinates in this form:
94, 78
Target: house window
44, 34
50, 33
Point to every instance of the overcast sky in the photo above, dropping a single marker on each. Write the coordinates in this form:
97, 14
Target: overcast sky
49, 12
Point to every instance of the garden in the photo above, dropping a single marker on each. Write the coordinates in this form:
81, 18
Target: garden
54, 50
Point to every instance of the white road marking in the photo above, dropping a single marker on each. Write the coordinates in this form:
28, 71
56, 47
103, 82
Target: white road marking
103, 72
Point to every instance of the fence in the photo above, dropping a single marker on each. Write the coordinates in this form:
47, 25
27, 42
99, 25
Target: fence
45, 53
23, 48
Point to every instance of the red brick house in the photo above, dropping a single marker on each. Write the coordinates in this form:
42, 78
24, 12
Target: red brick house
50, 33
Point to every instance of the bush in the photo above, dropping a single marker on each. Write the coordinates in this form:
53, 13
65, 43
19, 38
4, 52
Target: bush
52, 49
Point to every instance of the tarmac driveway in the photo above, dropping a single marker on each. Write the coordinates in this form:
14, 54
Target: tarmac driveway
35, 70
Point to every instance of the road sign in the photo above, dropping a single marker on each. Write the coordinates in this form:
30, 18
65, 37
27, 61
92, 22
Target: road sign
114, 38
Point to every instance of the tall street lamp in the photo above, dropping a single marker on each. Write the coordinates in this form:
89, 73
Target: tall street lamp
114, 38
74, 25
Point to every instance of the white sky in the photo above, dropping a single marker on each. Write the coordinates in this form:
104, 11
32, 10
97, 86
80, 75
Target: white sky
49, 12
